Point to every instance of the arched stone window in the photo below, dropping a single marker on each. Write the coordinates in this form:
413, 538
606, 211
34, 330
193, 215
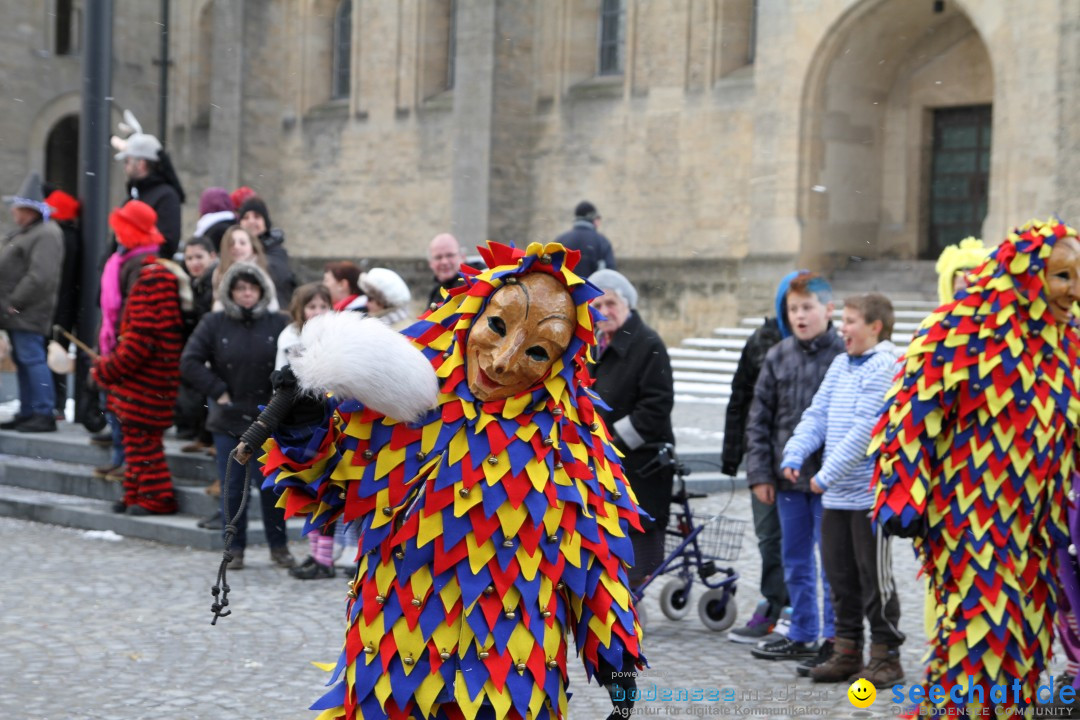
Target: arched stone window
342, 51
62, 154
612, 37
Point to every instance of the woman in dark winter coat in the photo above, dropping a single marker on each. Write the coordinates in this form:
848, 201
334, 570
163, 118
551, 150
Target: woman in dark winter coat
633, 376
142, 372
229, 358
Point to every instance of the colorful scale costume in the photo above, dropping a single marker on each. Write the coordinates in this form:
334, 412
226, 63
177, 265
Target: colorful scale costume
977, 443
487, 529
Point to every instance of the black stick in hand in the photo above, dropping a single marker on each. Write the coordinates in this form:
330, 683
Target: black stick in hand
269, 419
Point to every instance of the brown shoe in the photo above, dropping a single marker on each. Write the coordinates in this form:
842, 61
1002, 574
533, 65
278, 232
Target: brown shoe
103, 471
845, 660
884, 668
193, 447
211, 451
237, 562
282, 557
213, 489
117, 473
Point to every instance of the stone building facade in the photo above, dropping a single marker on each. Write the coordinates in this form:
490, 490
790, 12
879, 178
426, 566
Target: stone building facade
724, 141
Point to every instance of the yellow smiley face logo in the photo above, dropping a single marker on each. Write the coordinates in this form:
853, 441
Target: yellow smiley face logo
862, 693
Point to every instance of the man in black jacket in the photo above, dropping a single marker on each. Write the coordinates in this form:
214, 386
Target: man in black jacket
595, 249
152, 179
766, 520
444, 259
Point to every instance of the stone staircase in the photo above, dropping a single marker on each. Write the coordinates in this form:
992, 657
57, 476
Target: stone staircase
704, 367
48, 478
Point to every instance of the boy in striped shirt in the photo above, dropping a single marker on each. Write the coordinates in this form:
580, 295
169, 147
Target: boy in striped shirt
857, 561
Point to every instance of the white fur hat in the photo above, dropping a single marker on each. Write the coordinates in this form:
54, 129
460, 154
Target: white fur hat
385, 287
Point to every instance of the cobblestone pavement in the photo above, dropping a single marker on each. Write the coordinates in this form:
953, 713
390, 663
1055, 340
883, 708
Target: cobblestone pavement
93, 629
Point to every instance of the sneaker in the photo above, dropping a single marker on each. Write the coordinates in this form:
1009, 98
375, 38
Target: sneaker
760, 625
824, 653
37, 424
119, 507
783, 623
282, 557
117, 473
785, 649
314, 571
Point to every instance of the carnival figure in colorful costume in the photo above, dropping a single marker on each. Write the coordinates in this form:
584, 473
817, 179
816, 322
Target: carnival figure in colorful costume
976, 447
490, 526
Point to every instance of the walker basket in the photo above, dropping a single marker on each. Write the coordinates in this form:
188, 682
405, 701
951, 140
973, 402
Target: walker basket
720, 537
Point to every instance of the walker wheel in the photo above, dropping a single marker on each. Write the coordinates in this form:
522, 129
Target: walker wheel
717, 610
675, 599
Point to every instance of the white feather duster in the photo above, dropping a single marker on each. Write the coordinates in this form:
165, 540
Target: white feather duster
361, 358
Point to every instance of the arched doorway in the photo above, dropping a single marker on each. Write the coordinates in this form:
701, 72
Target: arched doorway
896, 133
62, 155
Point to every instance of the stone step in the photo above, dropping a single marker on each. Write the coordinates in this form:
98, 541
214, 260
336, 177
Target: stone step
699, 388
75, 479
705, 366
734, 332
734, 346
702, 377
92, 514
72, 444
698, 354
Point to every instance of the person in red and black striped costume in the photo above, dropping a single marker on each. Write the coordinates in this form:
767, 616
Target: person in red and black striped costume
142, 374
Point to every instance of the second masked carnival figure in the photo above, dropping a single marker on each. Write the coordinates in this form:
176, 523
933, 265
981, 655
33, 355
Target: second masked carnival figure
976, 448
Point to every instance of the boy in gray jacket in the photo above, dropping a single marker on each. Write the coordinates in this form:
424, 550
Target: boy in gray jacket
792, 372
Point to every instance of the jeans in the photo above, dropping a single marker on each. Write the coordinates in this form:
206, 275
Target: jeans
273, 517
117, 435
769, 537
36, 394
800, 520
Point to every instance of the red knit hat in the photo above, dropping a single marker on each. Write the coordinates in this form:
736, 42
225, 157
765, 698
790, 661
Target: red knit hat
240, 194
135, 225
64, 206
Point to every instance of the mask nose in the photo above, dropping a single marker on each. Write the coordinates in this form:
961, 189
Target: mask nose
506, 355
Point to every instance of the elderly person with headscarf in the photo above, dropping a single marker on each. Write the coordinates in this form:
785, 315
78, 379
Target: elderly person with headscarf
633, 377
387, 297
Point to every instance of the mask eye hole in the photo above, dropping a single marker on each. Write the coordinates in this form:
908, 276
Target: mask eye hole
537, 353
497, 326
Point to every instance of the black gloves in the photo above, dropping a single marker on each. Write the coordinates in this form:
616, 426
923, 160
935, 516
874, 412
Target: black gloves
894, 527
305, 409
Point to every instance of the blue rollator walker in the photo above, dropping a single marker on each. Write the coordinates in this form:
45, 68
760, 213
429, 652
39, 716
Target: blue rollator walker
695, 545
